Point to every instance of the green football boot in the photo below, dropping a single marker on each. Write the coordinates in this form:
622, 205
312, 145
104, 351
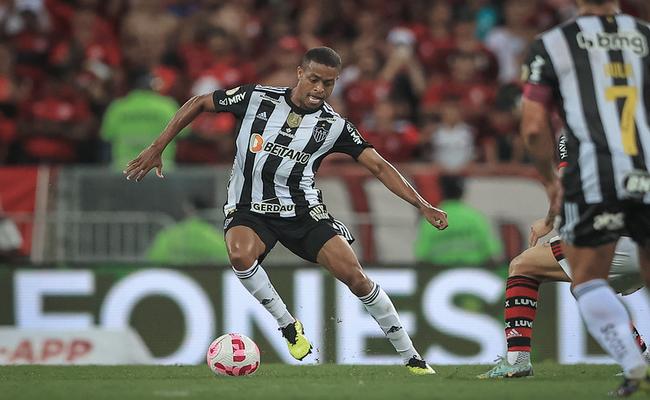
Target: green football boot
504, 369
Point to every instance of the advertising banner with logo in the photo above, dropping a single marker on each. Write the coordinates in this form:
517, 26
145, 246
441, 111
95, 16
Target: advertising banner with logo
454, 316
75, 347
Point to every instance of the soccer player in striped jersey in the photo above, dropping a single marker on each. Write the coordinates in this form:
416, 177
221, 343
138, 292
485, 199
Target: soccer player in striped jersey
283, 135
596, 70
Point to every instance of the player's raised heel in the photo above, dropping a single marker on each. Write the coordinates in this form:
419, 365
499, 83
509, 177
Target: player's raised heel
299, 346
631, 386
504, 369
417, 366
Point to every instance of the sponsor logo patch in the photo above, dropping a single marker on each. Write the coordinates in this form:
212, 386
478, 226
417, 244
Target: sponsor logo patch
609, 221
616, 41
637, 184
256, 143
264, 208
287, 152
356, 137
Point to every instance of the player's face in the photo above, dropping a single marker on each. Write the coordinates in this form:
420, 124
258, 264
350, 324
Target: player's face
315, 84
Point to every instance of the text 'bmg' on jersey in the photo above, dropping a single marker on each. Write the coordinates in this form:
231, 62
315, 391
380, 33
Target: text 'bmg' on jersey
598, 68
279, 147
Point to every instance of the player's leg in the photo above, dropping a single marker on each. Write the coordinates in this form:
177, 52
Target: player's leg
245, 247
644, 262
527, 270
338, 257
604, 314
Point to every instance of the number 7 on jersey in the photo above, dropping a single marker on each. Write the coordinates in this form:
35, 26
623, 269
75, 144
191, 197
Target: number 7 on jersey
628, 126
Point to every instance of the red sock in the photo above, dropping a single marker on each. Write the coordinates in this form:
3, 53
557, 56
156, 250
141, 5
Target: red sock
520, 310
639, 339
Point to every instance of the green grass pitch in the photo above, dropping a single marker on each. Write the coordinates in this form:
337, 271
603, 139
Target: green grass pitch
275, 381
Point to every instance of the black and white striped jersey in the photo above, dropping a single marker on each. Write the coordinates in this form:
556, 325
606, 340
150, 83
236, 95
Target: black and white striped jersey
279, 147
598, 72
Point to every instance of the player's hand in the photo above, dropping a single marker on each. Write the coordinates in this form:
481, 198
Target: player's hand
554, 192
538, 230
435, 216
148, 159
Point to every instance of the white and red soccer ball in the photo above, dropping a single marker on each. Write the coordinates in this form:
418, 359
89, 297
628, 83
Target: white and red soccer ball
233, 354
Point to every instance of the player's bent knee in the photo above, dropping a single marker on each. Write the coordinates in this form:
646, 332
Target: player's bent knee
242, 260
358, 283
520, 266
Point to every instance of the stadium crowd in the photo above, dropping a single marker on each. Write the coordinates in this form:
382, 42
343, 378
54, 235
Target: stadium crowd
90, 81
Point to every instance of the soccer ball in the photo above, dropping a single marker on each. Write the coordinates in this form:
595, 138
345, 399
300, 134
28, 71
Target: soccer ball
233, 354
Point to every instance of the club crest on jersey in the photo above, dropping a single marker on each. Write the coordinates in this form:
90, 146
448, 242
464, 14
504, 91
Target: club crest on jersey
319, 133
294, 120
256, 143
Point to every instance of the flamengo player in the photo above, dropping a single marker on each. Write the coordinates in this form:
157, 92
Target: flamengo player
283, 135
595, 69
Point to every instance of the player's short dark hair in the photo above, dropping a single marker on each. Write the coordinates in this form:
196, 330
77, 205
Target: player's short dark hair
322, 55
452, 186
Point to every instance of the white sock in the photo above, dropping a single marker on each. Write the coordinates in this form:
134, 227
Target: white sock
518, 357
257, 282
609, 323
383, 311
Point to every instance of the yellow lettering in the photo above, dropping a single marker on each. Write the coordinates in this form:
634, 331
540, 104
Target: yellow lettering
619, 70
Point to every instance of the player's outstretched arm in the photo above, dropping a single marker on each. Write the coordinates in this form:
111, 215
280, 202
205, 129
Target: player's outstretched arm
397, 184
150, 157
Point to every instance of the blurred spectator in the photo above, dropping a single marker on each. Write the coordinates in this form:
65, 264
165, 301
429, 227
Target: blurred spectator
509, 41
452, 140
466, 42
403, 69
132, 122
396, 140
435, 41
192, 241
147, 32
92, 54
31, 45
309, 23
365, 86
465, 84
469, 241
486, 16
13, 92
56, 125
222, 66
502, 143
288, 55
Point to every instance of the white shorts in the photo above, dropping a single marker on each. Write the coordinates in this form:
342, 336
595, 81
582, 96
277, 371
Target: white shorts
624, 274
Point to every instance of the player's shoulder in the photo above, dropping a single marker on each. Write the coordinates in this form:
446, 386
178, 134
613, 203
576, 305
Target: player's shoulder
566, 25
269, 89
329, 111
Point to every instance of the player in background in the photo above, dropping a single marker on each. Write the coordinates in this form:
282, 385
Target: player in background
283, 135
596, 70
